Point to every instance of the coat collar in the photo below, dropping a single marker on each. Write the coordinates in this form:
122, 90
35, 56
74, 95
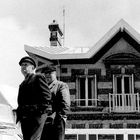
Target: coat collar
52, 84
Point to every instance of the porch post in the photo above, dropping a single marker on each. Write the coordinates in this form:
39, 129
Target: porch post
138, 102
110, 102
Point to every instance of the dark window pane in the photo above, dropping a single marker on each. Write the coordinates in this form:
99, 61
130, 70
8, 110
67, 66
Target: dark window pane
130, 137
89, 88
90, 92
81, 137
64, 70
92, 137
119, 137
82, 91
106, 137
119, 84
137, 137
70, 137
126, 85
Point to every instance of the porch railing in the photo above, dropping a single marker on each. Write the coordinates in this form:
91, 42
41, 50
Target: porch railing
124, 102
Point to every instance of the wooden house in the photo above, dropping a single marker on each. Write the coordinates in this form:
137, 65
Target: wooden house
104, 83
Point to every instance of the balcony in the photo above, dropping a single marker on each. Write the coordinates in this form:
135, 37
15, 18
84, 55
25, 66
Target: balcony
124, 103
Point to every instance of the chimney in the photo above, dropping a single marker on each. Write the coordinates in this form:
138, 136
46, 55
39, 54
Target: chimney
55, 34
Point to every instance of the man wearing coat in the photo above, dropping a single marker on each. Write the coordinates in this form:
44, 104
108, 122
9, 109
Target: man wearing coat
34, 101
61, 105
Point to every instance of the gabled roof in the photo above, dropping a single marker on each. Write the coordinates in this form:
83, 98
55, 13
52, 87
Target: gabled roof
67, 53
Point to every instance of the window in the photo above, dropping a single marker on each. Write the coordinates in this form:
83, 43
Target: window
119, 137
70, 137
137, 137
130, 137
106, 137
123, 84
92, 137
75, 137
123, 98
54, 34
99, 137
102, 134
86, 91
81, 137
64, 70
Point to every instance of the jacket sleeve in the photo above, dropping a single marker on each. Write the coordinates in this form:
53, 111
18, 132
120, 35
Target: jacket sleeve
65, 99
44, 91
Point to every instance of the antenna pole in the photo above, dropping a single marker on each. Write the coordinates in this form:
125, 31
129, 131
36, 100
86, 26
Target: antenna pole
63, 26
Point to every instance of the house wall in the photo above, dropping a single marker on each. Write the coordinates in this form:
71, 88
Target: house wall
104, 75
99, 116
104, 86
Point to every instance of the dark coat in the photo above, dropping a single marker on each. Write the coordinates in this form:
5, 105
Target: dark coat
34, 95
34, 104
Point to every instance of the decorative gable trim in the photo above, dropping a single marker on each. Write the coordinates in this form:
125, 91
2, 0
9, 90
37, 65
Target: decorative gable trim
122, 58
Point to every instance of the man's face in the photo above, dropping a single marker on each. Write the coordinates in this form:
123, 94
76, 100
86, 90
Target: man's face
50, 77
26, 68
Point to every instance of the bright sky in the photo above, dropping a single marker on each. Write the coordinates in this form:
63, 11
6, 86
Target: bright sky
26, 22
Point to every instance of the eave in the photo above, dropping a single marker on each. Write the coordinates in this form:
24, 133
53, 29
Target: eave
121, 29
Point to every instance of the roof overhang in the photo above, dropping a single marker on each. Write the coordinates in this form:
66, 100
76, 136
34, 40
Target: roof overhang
54, 56
119, 27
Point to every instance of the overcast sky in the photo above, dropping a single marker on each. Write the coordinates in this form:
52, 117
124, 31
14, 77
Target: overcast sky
26, 22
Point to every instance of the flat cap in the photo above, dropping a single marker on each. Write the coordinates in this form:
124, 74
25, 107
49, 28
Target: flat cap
27, 59
48, 69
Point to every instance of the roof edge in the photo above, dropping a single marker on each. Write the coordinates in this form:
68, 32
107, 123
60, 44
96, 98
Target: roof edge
36, 51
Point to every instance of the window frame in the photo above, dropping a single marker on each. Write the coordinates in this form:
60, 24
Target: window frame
94, 90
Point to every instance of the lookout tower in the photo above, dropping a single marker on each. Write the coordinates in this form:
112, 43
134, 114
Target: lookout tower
55, 34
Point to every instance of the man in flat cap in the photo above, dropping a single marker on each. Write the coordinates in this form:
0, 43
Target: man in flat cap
27, 59
61, 105
34, 101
